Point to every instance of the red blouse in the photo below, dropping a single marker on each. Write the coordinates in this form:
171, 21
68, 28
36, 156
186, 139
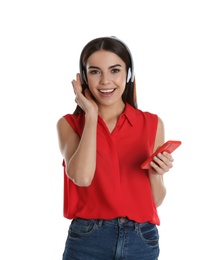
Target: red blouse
120, 188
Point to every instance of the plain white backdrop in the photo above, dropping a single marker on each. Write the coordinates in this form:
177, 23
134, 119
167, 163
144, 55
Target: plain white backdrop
172, 46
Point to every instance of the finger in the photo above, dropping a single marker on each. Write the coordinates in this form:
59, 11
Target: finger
156, 169
161, 164
77, 83
74, 87
166, 158
78, 78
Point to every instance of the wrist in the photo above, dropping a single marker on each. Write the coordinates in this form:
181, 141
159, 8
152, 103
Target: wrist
91, 117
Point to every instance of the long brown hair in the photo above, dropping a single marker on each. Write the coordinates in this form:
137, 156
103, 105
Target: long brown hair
118, 47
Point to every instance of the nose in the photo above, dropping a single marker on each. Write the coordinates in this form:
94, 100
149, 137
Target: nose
104, 78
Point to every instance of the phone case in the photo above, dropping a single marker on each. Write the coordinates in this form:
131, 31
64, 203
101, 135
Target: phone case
168, 147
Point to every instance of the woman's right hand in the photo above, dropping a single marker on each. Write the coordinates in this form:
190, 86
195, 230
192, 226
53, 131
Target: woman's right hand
87, 103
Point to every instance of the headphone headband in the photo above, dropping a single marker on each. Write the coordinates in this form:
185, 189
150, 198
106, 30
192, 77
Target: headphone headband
130, 73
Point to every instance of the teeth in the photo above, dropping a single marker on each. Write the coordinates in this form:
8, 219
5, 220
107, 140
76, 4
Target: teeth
106, 90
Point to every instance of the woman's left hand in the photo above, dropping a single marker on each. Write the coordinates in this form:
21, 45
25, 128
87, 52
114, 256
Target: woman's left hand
161, 163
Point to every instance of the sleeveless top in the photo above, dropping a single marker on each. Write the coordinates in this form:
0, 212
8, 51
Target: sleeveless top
120, 188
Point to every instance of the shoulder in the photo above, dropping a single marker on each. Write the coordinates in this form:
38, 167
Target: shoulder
138, 115
66, 129
71, 122
147, 117
69, 119
160, 123
160, 126
142, 113
63, 125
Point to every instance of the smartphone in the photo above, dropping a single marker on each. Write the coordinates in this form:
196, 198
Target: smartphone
168, 147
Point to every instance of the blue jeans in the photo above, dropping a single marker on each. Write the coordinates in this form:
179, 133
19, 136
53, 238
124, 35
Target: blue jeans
116, 239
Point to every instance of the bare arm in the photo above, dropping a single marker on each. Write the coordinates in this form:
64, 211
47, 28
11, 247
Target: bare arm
160, 164
80, 153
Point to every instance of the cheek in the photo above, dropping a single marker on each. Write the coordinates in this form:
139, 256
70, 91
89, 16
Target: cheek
121, 82
90, 80
92, 86
91, 89
122, 79
92, 83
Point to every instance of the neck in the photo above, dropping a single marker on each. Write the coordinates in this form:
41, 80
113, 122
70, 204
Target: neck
111, 112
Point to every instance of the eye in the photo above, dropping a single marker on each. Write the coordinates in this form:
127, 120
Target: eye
94, 71
115, 70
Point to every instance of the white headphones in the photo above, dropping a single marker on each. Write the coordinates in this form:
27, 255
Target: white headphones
129, 75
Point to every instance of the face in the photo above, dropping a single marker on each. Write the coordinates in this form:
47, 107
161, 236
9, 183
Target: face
106, 76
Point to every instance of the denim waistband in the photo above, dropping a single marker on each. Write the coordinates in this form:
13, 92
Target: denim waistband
120, 221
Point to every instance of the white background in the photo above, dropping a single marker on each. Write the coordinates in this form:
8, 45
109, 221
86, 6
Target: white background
172, 46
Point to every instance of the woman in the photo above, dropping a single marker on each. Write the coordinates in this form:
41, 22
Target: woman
111, 201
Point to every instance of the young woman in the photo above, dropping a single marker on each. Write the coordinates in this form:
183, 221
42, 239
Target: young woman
111, 201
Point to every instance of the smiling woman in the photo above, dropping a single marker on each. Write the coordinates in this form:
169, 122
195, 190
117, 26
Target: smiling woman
107, 195
106, 80
120, 51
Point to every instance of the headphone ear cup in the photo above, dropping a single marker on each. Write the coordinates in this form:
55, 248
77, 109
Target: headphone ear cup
129, 75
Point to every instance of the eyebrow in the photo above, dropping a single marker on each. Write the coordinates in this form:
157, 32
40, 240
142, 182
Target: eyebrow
111, 67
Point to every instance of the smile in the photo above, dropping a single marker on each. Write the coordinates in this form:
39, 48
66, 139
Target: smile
107, 91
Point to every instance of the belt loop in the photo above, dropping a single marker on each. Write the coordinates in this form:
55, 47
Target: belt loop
100, 222
137, 226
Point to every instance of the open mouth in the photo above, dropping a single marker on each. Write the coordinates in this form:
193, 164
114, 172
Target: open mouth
107, 91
